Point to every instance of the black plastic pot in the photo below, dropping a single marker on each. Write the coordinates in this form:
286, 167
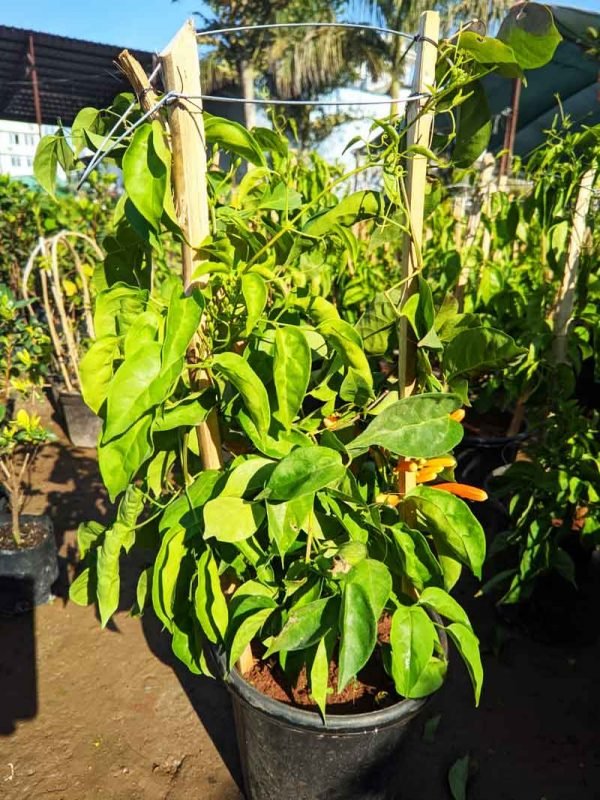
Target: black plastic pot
288, 752
478, 456
27, 575
83, 426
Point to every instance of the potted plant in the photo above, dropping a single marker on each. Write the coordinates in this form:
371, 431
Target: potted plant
28, 561
254, 443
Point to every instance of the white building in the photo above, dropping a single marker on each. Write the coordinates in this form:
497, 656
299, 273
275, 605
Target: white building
18, 142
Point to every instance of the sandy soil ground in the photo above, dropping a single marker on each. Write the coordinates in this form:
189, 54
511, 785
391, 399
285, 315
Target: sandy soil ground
87, 714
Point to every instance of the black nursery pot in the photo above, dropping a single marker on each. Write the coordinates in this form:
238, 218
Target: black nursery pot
83, 426
288, 752
478, 456
27, 574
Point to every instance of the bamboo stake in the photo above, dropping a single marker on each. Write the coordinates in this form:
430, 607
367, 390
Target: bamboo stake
419, 133
565, 299
181, 73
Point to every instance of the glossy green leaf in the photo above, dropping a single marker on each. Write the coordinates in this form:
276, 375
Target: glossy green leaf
304, 626
245, 633
187, 413
485, 49
446, 606
249, 475
291, 372
96, 370
145, 175
347, 343
120, 459
419, 309
133, 391
468, 647
353, 208
209, 600
143, 592
412, 638
419, 563
530, 32
305, 471
251, 388
183, 319
476, 349
416, 427
231, 519
45, 163
82, 590
116, 308
473, 127
234, 138
449, 519
319, 672
287, 519
358, 629
166, 571
186, 509
254, 290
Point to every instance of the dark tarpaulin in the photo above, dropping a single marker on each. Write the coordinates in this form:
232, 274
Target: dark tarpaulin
71, 74
572, 75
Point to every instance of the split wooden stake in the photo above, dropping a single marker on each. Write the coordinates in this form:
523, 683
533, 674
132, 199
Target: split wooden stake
419, 133
181, 73
136, 75
565, 299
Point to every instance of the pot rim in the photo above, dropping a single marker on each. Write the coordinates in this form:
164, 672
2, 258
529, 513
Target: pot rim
42, 518
401, 712
291, 716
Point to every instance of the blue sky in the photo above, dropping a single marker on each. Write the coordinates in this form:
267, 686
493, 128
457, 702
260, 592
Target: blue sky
145, 24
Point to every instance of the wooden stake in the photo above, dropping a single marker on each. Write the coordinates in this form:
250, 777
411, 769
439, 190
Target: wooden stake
419, 133
181, 73
565, 298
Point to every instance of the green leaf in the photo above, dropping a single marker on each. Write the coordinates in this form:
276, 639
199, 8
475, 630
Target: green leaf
143, 592
116, 308
458, 777
251, 388
133, 391
187, 413
166, 571
45, 163
231, 519
412, 638
485, 49
304, 626
530, 32
319, 672
120, 459
88, 535
234, 138
449, 520
419, 563
291, 372
248, 476
209, 600
254, 290
416, 427
82, 590
304, 471
368, 580
96, 370
446, 606
419, 309
347, 343
477, 349
183, 319
145, 174
430, 728
376, 323
468, 647
473, 127
287, 519
246, 632
185, 510
361, 205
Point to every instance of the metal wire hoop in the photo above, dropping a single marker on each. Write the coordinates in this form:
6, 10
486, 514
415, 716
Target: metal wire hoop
280, 25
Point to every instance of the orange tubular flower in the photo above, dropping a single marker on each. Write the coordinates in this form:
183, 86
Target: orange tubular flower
440, 463
458, 415
463, 490
426, 474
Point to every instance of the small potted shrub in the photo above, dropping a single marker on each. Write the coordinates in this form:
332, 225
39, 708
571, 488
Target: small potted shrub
28, 562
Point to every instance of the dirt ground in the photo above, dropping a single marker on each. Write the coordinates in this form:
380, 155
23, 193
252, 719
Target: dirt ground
87, 714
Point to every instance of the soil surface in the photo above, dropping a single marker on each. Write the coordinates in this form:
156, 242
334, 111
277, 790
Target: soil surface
32, 534
372, 690
87, 714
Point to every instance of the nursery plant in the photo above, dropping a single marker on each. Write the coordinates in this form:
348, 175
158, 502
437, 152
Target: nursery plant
287, 483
